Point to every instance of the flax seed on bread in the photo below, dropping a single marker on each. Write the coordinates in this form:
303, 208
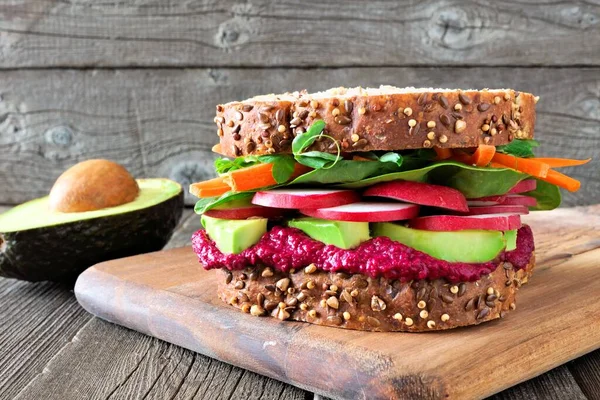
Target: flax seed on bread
385, 118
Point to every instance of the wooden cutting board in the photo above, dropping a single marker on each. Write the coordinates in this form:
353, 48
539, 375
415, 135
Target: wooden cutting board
167, 295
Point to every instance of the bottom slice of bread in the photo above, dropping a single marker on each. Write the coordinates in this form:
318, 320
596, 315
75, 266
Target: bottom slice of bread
356, 301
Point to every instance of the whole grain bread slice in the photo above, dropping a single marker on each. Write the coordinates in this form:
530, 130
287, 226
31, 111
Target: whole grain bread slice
355, 301
385, 118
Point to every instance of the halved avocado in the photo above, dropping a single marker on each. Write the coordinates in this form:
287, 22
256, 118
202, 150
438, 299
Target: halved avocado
38, 244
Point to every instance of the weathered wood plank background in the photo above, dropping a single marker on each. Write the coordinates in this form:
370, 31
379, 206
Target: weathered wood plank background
137, 82
260, 33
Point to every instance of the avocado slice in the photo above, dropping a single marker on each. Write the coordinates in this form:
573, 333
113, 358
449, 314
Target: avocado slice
232, 236
342, 234
37, 244
469, 246
511, 239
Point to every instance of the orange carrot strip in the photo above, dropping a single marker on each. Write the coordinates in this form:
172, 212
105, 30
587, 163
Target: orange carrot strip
561, 162
496, 165
210, 188
442, 154
483, 155
525, 165
562, 180
257, 176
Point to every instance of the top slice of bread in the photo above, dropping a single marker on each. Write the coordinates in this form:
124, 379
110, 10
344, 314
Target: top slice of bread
385, 118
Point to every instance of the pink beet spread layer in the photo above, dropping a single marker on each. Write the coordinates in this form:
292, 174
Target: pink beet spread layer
285, 248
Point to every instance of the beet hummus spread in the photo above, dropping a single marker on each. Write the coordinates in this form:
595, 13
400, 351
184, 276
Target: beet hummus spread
284, 248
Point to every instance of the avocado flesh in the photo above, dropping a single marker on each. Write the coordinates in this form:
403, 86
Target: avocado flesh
37, 244
234, 236
342, 234
511, 239
36, 213
469, 246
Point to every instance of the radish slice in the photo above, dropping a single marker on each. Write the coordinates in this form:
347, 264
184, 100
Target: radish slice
520, 200
424, 194
527, 185
486, 201
488, 222
366, 212
499, 209
245, 212
304, 198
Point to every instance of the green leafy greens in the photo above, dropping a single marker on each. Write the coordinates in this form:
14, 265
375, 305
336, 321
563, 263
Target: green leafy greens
519, 148
208, 203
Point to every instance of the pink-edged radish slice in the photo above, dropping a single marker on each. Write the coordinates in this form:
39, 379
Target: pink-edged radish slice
420, 193
304, 198
527, 185
245, 212
520, 200
486, 201
366, 212
499, 209
488, 222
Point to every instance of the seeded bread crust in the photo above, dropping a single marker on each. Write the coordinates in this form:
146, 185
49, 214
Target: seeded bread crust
386, 118
362, 303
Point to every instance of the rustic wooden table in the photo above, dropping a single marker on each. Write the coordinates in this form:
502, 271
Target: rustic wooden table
51, 348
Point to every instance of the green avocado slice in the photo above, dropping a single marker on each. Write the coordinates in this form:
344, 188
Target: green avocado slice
37, 244
469, 246
36, 213
342, 234
232, 236
511, 239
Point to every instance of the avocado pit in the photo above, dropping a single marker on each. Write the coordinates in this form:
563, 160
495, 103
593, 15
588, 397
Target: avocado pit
92, 185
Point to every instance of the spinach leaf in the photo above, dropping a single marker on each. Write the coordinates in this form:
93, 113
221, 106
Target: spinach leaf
473, 182
345, 171
548, 196
306, 139
283, 166
208, 203
224, 165
317, 159
519, 148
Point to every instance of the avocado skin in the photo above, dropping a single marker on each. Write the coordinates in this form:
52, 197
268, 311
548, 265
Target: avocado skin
60, 253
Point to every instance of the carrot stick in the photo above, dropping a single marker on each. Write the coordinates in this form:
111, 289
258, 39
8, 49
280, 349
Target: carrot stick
561, 162
257, 176
483, 155
562, 180
526, 165
442, 154
210, 188
496, 165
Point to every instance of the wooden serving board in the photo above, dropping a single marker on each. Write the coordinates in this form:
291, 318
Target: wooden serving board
167, 295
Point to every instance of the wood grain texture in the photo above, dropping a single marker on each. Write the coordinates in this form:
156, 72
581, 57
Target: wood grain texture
159, 123
586, 372
107, 361
308, 33
557, 384
37, 320
165, 296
